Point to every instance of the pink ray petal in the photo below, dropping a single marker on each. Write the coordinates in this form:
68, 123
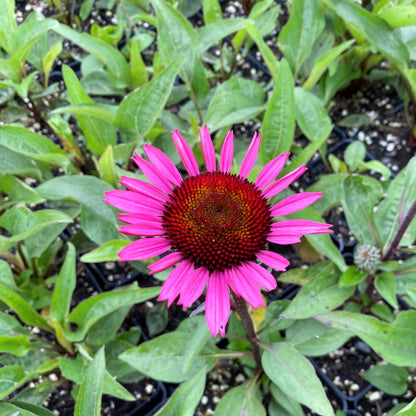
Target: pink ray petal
130, 218
271, 170
299, 227
144, 188
260, 275
153, 174
144, 248
295, 203
193, 287
217, 303
163, 163
273, 260
173, 284
165, 262
247, 288
284, 182
251, 156
185, 153
227, 152
144, 229
208, 150
278, 238
132, 202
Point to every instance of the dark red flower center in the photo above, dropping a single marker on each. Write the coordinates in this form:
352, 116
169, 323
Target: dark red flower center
217, 220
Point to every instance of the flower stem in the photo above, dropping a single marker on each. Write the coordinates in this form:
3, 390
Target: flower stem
402, 228
242, 310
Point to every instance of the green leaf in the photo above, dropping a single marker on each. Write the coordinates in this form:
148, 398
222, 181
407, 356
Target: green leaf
322, 63
313, 338
88, 191
354, 155
7, 24
107, 252
319, 295
89, 396
389, 378
299, 34
212, 11
373, 28
311, 115
394, 342
99, 133
49, 59
139, 111
25, 311
87, 109
267, 54
64, 287
177, 39
23, 409
117, 66
385, 284
240, 400
285, 405
163, 357
212, 33
92, 309
186, 397
279, 120
16, 345
157, 319
6, 276
18, 191
358, 201
235, 101
296, 377
38, 221
14, 163
409, 410
400, 195
75, 369
352, 276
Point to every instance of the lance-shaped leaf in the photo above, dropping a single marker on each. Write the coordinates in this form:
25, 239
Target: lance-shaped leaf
394, 342
139, 111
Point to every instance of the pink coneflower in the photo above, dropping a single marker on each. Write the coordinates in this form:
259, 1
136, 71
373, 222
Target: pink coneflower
215, 225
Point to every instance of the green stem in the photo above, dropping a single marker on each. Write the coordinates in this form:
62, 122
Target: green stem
241, 308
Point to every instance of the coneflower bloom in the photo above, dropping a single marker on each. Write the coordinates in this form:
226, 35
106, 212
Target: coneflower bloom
213, 226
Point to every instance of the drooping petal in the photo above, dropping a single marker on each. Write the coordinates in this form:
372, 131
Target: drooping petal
131, 202
277, 238
295, 203
260, 275
144, 188
144, 229
131, 218
165, 262
185, 153
271, 170
173, 284
163, 163
299, 227
208, 150
217, 303
251, 156
273, 260
247, 288
144, 248
227, 152
192, 289
153, 174
284, 182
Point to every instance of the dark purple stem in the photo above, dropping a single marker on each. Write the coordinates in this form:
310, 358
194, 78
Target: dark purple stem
241, 308
402, 228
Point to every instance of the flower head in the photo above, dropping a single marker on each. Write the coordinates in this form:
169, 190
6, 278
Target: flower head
214, 226
367, 257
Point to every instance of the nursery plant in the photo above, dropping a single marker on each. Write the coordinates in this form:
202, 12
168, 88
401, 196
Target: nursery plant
167, 190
